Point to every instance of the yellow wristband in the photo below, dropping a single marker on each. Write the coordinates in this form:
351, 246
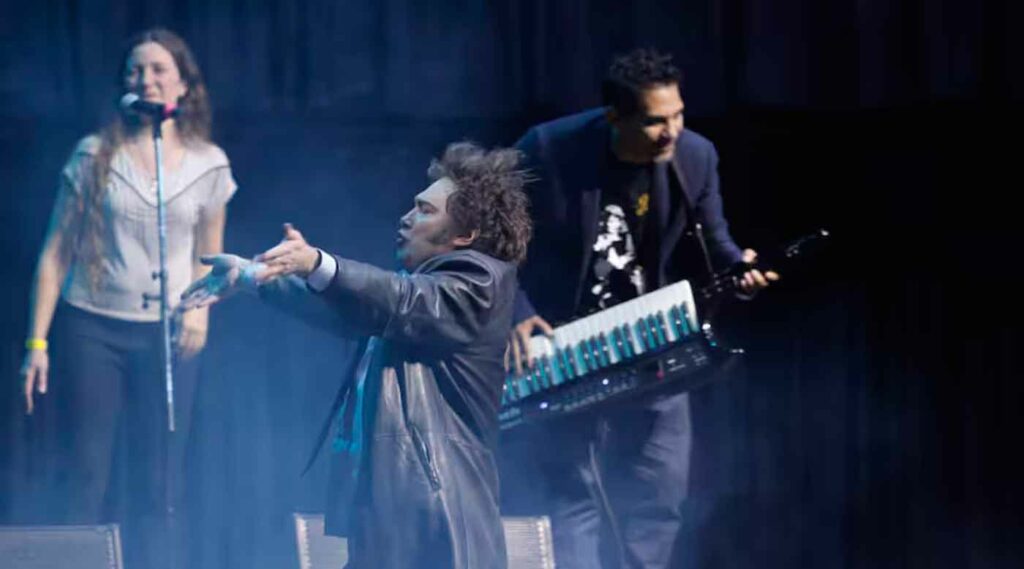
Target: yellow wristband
37, 344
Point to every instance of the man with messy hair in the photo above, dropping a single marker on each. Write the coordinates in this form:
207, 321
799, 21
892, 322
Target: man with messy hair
413, 480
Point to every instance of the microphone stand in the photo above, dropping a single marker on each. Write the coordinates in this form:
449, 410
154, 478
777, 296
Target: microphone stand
165, 321
166, 349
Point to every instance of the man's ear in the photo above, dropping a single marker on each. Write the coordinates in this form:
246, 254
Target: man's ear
464, 241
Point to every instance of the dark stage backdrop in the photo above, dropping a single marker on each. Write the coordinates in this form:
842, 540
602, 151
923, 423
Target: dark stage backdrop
878, 419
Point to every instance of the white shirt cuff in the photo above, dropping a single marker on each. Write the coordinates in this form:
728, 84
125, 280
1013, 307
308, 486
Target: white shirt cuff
322, 276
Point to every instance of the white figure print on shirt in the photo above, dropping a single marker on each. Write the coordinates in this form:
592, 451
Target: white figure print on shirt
615, 258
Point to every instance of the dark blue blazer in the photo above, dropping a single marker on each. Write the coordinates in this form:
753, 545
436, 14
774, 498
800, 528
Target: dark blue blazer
569, 156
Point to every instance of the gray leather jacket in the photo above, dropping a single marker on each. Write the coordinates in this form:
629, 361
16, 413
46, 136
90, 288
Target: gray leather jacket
413, 481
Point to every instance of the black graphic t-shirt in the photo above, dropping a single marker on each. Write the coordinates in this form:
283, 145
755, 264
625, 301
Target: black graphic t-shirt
616, 273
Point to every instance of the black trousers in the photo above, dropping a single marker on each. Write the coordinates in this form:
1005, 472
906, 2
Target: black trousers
116, 460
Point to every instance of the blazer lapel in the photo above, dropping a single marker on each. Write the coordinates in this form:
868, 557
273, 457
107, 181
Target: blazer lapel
590, 215
679, 219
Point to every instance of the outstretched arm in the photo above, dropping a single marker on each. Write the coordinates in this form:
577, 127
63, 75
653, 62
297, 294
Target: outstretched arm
446, 306
230, 274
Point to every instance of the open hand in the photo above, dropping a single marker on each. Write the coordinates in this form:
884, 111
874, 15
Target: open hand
292, 256
220, 283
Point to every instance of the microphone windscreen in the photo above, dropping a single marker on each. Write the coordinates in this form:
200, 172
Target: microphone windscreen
128, 100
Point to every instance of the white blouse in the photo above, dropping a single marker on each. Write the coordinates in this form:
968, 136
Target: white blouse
131, 253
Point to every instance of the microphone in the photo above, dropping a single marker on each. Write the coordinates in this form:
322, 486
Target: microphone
133, 103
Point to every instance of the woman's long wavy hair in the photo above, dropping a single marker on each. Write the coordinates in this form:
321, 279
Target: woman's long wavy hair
193, 123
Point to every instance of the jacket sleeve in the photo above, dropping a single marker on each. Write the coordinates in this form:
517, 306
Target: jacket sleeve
291, 295
447, 306
523, 308
533, 160
723, 249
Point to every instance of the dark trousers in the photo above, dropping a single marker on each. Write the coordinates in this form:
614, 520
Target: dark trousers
117, 462
631, 462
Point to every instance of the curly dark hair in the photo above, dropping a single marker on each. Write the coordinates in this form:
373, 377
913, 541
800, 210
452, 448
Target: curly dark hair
489, 198
632, 73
